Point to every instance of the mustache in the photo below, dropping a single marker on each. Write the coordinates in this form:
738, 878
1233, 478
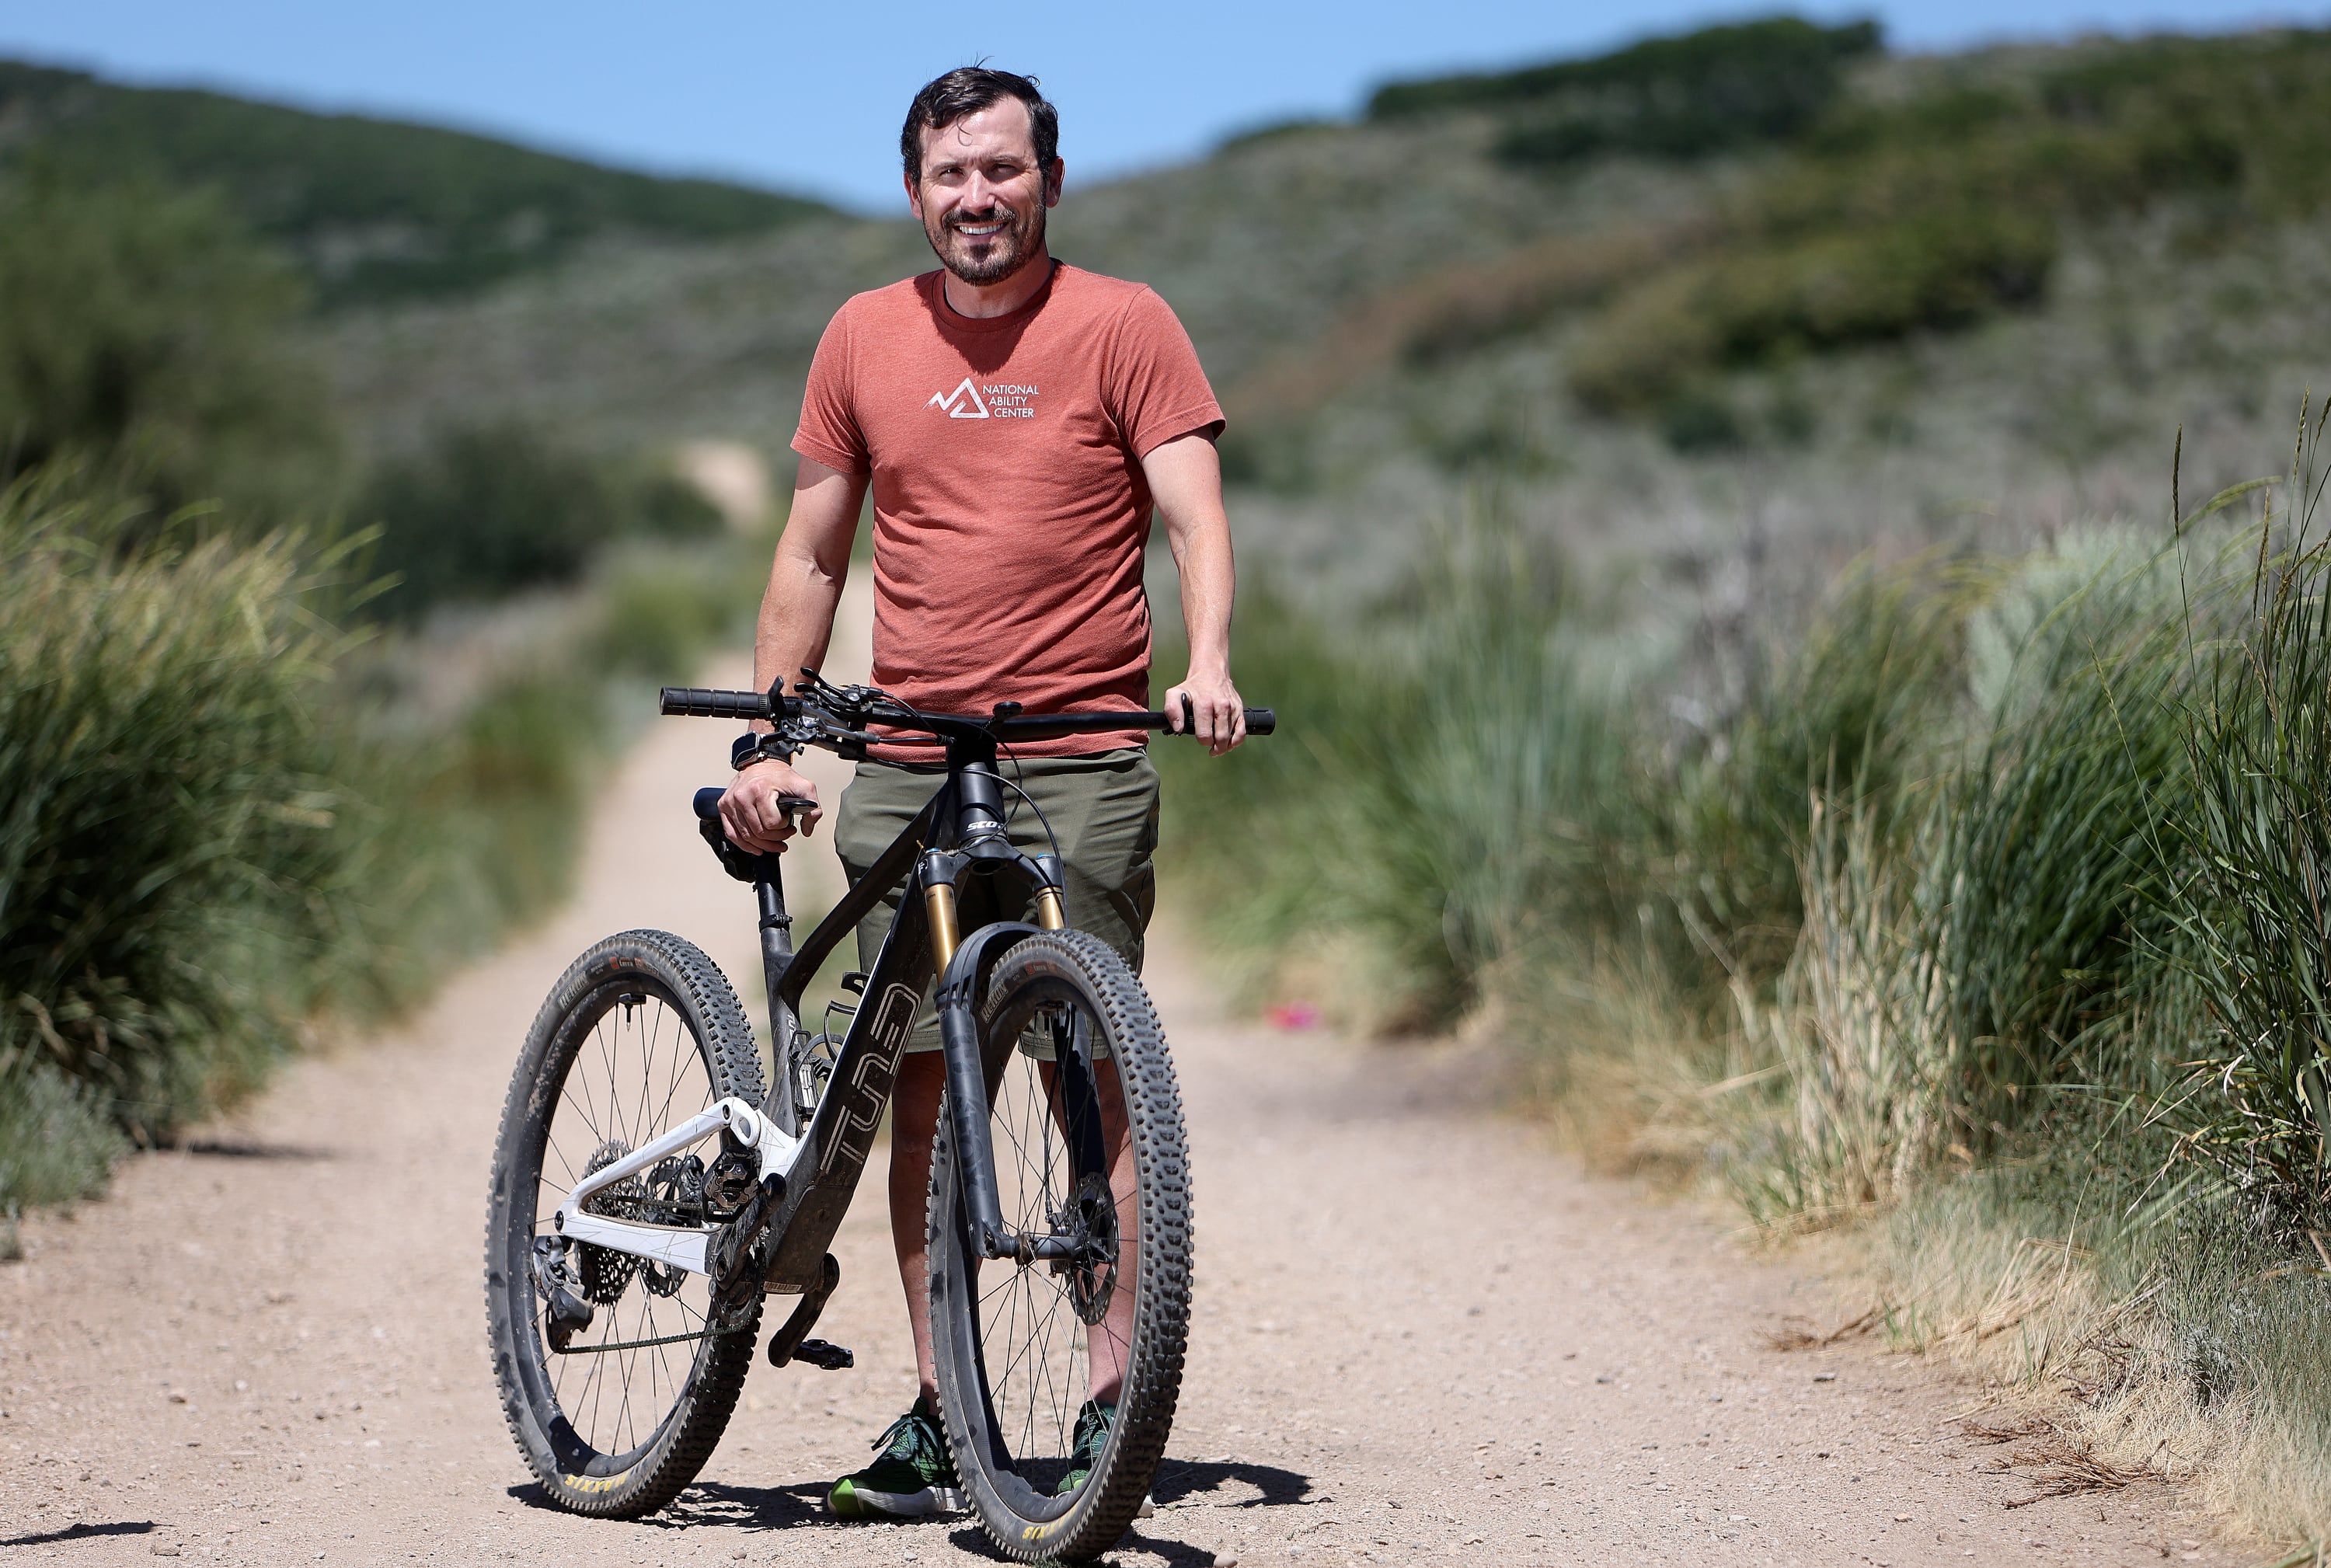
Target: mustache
994, 214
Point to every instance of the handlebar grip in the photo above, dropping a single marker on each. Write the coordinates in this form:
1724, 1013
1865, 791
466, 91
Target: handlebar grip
1261, 720
706, 803
696, 702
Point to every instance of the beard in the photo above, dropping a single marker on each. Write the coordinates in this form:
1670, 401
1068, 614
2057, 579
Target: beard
983, 258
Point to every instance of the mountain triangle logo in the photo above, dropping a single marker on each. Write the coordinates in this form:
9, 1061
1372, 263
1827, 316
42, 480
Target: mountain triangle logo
963, 403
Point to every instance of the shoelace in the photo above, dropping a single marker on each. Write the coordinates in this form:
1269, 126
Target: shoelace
907, 1428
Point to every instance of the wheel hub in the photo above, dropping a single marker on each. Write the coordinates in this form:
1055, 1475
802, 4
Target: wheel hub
1090, 1216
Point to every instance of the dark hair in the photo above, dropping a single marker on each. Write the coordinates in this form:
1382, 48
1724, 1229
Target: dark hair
964, 91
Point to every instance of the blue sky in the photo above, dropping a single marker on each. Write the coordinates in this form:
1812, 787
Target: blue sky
808, 96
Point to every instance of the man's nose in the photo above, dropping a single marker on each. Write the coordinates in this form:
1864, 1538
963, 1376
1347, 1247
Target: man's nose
979, 193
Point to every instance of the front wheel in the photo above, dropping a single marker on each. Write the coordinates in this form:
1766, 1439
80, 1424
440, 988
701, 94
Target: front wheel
1086, 1122
615, 1379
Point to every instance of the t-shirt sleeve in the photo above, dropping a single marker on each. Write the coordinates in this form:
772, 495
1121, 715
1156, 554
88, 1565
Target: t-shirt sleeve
1156, 388
829, 431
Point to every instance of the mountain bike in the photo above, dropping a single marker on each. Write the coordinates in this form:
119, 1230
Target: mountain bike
652, 1188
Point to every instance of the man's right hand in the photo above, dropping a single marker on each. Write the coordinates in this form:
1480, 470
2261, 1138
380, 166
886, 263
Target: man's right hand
749, 814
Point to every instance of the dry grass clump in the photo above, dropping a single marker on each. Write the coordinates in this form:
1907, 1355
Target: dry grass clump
2059, 1462
2168, 1338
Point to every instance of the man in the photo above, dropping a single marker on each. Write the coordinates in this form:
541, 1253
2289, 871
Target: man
1017, 419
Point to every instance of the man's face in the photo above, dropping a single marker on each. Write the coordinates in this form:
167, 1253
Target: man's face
981, 196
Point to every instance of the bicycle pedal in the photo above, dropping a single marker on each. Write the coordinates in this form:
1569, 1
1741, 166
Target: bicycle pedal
822, 1353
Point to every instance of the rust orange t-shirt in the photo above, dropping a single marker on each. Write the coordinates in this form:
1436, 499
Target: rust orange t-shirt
1010, 514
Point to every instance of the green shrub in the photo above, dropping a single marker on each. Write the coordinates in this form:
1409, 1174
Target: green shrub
1851, 717
144, 342
1956, 972
1935, 210
376, 209
657, 615
484, 512
1814, 295
1684, 96
488, 511
1449, 782
58, 1138
168, 862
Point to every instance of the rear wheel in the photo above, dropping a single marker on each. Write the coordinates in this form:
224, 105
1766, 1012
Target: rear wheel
616, 1414
1086, 1122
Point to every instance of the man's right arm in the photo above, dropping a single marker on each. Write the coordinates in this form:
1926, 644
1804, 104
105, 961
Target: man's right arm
796, 623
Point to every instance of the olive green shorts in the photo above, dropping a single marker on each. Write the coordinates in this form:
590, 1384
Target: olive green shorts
1103, 810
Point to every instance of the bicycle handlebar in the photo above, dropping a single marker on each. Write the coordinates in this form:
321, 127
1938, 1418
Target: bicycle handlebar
700, 702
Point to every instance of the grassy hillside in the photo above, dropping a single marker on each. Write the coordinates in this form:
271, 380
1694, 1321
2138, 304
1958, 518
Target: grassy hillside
374, 209
1263, 248
1923, 298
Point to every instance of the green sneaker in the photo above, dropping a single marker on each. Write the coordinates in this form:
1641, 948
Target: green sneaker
1093, 1423
914, 1478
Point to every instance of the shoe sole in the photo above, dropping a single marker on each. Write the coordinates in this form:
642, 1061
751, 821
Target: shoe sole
849, 1502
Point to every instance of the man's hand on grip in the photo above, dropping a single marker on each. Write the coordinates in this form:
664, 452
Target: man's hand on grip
749, 812
1208, 707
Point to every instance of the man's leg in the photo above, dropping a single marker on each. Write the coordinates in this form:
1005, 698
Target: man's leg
1109, 1344
914, 1477
1106, 815
914, 1121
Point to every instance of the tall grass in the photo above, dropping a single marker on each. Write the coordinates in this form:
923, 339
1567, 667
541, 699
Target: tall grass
1476, 765
169, 864
211, 837
2000, 866
2253, 907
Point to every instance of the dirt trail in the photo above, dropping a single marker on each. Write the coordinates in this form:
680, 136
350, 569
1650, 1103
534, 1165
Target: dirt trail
1419, 1338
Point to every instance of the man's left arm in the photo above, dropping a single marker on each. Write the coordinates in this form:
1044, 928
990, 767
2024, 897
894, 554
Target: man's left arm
1185, 478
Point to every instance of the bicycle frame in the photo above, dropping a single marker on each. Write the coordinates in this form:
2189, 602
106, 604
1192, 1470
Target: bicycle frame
808, 1176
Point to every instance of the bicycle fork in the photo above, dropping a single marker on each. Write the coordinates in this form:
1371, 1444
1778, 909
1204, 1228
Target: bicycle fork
961, 966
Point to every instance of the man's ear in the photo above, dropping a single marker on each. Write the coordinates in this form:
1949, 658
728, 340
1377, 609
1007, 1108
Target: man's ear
914, 194
1052, 178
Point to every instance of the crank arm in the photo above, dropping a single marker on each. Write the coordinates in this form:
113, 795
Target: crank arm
788, 1338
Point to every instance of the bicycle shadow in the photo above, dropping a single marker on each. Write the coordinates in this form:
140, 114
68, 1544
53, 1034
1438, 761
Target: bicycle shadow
82, 1532
785, 1507
1181, 1484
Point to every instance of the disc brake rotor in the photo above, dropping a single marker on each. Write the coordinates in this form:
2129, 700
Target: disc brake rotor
1091, 1213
